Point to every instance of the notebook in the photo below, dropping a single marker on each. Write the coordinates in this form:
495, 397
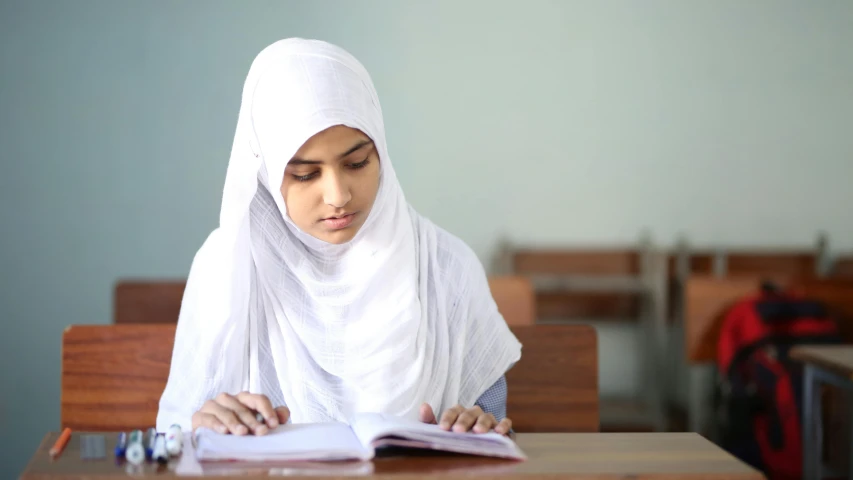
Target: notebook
358, 440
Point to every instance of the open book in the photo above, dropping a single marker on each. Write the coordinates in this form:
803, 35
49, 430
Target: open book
359, 440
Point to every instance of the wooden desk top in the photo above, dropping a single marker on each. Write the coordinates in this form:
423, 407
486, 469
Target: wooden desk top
837, 358
551, 455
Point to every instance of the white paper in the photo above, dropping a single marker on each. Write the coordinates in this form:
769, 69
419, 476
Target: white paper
339, 441
371, 427
317, 441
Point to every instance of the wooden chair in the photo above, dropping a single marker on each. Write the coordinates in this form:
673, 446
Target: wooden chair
843, 267
148, 301
515, 299
153, 301
625, 283
113, 376
554, 387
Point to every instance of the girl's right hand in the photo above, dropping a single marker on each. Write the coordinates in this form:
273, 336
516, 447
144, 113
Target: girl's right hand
236, 414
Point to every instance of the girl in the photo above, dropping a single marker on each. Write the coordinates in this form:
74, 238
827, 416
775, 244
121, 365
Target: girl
322, 292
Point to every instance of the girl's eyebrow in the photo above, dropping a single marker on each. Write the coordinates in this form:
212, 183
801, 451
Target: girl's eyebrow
301, 161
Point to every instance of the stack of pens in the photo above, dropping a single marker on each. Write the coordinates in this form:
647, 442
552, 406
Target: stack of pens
136, 448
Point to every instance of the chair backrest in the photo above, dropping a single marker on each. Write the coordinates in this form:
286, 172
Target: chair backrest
515, 299
800, 264
708, 298
843, 267
113, 376
591, 262
554, 387
152, 301
148, 301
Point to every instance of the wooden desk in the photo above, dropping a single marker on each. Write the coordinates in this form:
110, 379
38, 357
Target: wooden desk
829, 364
551, 455
837, 359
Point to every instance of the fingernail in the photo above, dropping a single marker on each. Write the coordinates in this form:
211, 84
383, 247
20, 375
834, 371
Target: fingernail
241, 430
221, 429
273, 423
261, 429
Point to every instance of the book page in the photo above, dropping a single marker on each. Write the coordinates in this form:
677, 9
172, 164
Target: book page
375, 429
313, 441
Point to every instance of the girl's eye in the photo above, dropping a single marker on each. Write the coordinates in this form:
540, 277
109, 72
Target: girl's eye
354, 166
305, 178
360, 164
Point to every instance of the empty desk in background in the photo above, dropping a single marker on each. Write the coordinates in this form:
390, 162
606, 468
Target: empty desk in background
551, 455
824, 364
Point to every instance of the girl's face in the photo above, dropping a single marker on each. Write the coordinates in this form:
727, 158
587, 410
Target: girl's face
330, 184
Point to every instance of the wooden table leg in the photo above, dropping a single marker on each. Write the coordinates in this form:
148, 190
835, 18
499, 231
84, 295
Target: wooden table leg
811, 418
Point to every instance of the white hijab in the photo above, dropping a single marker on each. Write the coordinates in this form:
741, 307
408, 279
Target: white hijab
400, 315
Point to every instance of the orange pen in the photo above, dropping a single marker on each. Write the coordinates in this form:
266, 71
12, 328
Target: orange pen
60, 442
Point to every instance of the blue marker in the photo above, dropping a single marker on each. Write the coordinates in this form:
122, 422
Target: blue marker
121, 444
149, 445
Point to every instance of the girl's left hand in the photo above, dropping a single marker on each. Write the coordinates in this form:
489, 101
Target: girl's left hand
461, 419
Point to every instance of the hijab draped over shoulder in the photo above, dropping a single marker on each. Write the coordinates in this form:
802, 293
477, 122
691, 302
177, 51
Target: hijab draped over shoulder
398, 316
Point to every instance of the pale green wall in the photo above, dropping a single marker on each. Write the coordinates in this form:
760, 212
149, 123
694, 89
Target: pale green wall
116, 120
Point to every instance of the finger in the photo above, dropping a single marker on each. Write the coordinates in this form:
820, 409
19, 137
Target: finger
283, 414
229, 419
449, 416
504, 426
226, 416
466, 419
243, 413
426, 415
210, 407
485, 423
260, 404
208, 420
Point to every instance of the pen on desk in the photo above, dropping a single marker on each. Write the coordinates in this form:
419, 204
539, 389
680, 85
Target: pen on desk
135, 452
174, 440
160, 455
151, 437
60, 443
121, 444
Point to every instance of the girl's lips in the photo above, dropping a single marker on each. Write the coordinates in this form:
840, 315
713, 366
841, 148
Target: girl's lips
339, 223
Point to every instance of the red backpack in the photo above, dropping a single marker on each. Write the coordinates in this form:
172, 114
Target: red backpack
759, 391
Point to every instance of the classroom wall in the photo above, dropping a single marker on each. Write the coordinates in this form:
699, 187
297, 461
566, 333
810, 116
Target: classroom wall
551, 122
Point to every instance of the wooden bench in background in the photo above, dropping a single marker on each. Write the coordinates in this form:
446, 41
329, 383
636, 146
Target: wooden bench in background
615, 283
159, 301
113, 376
625, 284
